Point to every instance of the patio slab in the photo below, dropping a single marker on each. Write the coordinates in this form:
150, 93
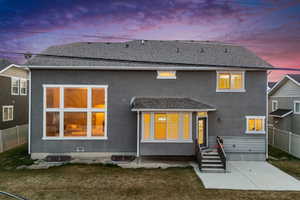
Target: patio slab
249, 175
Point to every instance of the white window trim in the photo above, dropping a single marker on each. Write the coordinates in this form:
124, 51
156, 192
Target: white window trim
61, 111
20, 88
166, 77
263, 125
9, 108
295, 102
12, 91
180, 134
231, 90
274, 101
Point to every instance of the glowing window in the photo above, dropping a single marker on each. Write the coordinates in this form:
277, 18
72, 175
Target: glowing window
255, 124
166, 74
147, 125
230, 81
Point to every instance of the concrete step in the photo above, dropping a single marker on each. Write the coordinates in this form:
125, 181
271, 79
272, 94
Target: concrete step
210, 154
212, 170
211, 162
216, 166
211, 157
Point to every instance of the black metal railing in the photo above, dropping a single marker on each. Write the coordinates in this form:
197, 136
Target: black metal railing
11, 195
198, 154
221, 151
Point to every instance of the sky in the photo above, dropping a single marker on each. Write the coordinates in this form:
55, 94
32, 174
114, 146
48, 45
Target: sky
270, 28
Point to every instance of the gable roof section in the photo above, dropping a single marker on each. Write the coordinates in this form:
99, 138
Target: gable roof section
4, 63
168, 103
295, 78
148, 52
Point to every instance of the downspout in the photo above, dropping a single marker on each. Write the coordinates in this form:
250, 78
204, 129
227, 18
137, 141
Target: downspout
138, 135
29, 114
267, 120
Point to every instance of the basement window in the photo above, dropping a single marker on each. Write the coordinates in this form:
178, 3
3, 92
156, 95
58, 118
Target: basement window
255, 124
166, 74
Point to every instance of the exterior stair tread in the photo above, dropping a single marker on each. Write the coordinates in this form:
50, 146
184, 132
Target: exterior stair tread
211, 165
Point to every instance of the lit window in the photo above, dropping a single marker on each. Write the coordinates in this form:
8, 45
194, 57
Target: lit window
170, 126
15, 83
23, 87
166, 74
7, 113
297, 107
75, 112
255, 124
274, 105
230, 81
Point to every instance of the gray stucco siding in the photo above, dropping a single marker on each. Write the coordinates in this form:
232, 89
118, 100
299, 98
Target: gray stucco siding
228, 120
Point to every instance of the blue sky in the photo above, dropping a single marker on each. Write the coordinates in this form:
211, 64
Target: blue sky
270, 28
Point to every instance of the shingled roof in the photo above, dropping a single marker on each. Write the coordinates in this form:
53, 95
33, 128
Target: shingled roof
281, 113
148, 52
168, 103
296, 77
4, 63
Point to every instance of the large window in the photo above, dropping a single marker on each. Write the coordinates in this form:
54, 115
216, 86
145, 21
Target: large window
255, 124
166, 127
15, 86
230, 82
7, 113
23, 87
75, 112
297, 107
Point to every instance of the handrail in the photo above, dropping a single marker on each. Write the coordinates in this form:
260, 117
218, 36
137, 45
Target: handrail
221, 151
198, 153
12, 195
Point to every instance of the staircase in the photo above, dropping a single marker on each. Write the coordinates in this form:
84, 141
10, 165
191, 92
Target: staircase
211, 161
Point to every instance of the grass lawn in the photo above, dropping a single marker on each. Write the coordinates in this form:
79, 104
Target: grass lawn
109, 182
285, 162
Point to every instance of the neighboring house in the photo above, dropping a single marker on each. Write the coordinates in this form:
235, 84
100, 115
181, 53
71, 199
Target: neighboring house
13, 95
284, 104
147, 98
271, 85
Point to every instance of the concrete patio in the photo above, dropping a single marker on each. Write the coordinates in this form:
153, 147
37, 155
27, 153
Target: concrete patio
249, 175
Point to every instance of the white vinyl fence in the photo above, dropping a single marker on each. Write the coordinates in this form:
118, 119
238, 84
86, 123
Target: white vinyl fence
12, 137
284, 140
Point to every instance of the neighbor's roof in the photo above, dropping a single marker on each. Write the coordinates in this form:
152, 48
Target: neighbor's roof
149, 52
4, 63
168, 103
281, 113
271, 84
296, 77
292, 77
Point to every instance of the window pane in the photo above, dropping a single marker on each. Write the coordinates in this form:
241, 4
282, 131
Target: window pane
167, 74
98, 97
258, 124
5, 114
224, 81
52, 124
251, 125
52, 97
146, 128
23, 85
10, 113
75, 97
75, 124
173, 125
297, 107
202, 114
236, 81
160, 126
15, 86
186, 126
98, 123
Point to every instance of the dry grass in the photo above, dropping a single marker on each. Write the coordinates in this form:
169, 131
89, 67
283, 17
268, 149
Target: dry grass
92, 182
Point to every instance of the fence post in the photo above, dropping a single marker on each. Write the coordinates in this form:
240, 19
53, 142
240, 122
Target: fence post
1, 142
273, 135
18, 134
290, 142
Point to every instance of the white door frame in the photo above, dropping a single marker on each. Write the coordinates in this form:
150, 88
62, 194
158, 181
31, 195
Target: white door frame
206, 125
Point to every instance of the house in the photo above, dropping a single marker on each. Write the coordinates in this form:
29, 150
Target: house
13, 95
147, 98
284, 104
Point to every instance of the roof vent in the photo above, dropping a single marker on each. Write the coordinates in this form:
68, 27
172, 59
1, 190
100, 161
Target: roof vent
126, 45
226, 50
143, 42
107, 42
177, 50
202, 50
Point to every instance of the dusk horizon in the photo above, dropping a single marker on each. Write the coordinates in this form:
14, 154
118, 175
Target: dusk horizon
271, 29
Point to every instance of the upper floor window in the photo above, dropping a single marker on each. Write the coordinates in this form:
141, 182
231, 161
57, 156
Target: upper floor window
297, 107
75, 111
23, 87
255, 124
274, 105
15, 86
166, 74
228, 81
7, 113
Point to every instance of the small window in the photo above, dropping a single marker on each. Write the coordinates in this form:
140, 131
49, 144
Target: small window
7, 113
166, 74
23, 87
297, 107
274, 105
255, 124
230, 82
15, 83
